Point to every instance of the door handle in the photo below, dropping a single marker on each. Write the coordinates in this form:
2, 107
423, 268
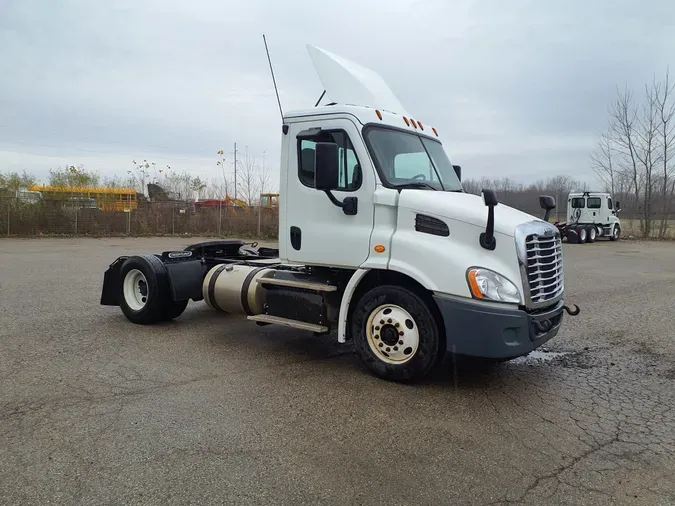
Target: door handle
296, 238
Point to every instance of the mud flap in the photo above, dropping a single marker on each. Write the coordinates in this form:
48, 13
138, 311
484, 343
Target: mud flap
111, 283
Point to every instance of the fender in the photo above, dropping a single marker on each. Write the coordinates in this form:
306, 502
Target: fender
346, 299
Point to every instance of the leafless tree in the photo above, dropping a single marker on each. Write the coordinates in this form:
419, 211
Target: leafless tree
249, 179
603, 162
635, 155
665, 108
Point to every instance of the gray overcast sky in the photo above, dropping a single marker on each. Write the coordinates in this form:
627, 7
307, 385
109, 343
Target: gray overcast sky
514, 87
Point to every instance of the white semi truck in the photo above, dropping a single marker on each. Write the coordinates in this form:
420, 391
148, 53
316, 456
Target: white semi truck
591, 215
377, 241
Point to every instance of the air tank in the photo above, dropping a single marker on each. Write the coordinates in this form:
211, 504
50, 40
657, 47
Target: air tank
233, 288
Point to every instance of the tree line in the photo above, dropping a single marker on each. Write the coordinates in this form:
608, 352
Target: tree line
250, 181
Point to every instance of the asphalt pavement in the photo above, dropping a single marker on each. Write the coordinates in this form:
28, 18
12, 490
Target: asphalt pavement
212, 409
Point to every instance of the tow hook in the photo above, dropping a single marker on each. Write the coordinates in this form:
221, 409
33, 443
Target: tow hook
571, 312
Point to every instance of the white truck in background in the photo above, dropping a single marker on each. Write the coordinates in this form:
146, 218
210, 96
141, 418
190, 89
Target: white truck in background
591, 215
377, 240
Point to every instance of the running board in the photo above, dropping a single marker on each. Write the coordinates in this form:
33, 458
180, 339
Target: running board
287, 322
307, 285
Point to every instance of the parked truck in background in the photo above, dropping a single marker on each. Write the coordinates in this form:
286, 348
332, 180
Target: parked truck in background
377, 241
591, 215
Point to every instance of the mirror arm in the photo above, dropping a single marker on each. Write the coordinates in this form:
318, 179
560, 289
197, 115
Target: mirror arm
349, 205
547, 214
487, 238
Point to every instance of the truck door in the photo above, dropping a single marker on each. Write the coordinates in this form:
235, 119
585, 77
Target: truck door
319, 232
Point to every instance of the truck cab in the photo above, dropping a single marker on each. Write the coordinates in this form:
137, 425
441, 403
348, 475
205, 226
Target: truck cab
594, 210
378, 241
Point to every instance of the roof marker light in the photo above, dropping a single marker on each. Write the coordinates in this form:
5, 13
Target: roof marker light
420, 124
435, 131
413, 123
379, 114
406, 121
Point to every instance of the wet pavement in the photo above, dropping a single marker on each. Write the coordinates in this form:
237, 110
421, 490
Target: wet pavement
211, 409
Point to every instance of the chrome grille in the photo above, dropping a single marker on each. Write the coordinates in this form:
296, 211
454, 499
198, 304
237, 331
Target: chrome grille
543, 264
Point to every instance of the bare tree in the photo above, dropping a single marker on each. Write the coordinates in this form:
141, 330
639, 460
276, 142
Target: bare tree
603, 162
665, 108
249, 179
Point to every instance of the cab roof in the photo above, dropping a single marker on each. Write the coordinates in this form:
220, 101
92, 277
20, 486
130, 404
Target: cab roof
366, 115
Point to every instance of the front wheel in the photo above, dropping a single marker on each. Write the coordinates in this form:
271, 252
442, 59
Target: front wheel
395, 333
616, 233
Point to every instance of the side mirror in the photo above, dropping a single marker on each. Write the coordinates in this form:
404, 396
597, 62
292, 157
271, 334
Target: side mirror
490, 197
617, 206
458, 171
547, 203
326, 166
487, 238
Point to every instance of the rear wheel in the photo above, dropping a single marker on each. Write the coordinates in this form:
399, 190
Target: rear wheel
582, 234
592, 234
395, 333
144, 291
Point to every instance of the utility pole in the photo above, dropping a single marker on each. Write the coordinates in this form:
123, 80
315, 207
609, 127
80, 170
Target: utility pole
235, 171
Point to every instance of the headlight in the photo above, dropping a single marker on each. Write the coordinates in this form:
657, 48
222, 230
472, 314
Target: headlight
488, 285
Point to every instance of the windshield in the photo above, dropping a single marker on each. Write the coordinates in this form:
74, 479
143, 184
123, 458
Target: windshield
409, 159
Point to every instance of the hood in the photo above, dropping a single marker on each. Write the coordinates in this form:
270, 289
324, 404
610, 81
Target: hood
349, 83
464, 207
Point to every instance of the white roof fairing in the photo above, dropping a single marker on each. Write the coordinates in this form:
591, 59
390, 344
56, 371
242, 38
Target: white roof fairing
348, 83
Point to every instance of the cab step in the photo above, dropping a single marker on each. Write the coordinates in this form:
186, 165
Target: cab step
287, 322
292, 283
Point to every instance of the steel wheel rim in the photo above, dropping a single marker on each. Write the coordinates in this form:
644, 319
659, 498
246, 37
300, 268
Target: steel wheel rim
135, 289
392, 334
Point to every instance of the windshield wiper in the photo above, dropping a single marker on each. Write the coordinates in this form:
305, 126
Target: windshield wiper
416, 184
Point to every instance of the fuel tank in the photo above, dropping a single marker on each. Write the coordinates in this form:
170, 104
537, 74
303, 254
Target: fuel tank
233, 288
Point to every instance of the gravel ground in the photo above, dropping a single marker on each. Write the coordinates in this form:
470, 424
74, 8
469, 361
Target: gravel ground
211, 409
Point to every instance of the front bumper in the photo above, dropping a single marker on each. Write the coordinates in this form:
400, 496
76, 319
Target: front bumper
487, 330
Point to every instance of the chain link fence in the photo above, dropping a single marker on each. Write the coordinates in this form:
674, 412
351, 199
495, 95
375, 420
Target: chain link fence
18, 218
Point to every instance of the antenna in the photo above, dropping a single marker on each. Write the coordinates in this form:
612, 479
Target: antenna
273, 80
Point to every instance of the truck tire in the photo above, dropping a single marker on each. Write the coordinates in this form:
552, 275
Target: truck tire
144, 291
395, 333
591, 234
582, 234
616, 233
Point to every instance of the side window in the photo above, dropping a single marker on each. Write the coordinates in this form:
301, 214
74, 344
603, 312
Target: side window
609, 203
594, 202
349, 168
578, 203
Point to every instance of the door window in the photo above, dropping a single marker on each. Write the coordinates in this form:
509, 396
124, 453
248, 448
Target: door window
349, 168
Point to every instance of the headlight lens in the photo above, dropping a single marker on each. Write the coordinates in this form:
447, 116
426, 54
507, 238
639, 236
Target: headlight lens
488, 285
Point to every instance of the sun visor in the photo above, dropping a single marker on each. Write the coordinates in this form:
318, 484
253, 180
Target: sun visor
348, 83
